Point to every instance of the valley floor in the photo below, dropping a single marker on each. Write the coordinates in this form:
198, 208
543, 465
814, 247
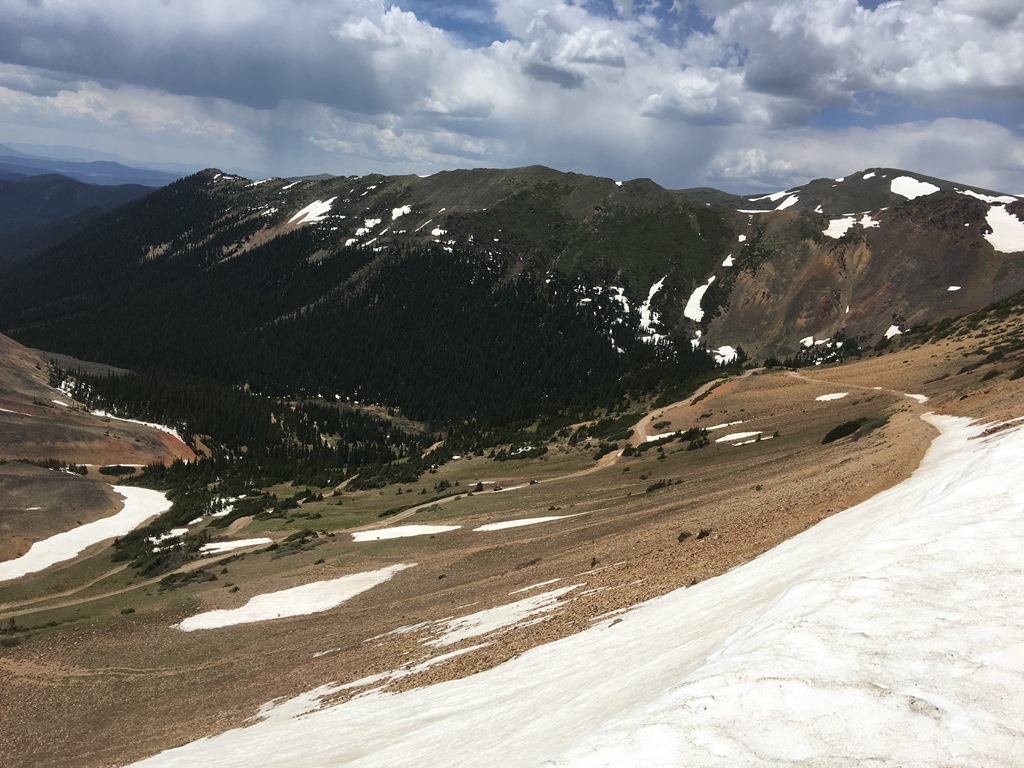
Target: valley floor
606, 636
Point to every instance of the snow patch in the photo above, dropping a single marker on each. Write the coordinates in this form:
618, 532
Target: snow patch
693, 309
894, 330
1007, 235
789, 202
313, 212
987, 198
520, 523
911, 188
725, 354
724, 426
216, 547
729, 261
398, 212
774, 197
298, 601
401, 532
737, 436
499, 617
838, 227
150, 424
953, 288
833, 396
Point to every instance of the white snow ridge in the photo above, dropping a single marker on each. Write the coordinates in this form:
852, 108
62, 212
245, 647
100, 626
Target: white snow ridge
888, 634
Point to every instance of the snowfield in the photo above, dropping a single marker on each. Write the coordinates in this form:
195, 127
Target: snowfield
297, 601
888, 634
693, 309
140, 504
1007, 235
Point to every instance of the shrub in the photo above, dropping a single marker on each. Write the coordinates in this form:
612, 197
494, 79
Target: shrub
704, 533
842, 430
117, 469
684, 536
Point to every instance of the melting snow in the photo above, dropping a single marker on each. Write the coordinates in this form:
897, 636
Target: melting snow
894, 330
890, 629
788, 202
397, 212
866, 221
729, 261
1007, 235
491, 619
774, 197
833, 396
911, 188
174, 533
315, 211
987, 198
534, 586
150, 424
723, 426
401, 532
297, 601
737, 436
647, 317
520, 523
437, 232
725, 354
216, 547
693, 310
368, 224
867, 176
140, 504
919, 398
838, 227
807, 341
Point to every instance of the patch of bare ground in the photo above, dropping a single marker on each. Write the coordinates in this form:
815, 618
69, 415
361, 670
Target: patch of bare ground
37, 503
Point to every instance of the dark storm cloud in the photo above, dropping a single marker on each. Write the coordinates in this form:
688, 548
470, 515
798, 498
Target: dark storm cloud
549, 73
257, 61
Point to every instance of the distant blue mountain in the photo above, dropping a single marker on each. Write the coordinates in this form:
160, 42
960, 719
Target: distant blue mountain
102, 172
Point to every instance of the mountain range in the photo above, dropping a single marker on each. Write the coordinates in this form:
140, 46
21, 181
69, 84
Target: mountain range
515, 467
379, 287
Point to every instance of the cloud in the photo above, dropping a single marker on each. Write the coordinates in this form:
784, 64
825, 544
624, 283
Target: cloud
700, 91
825, 51
970, 151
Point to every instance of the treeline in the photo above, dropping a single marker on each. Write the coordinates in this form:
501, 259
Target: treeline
446, 336
253, 440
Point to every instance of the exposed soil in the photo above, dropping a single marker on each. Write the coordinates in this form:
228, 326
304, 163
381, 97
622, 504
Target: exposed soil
110, 688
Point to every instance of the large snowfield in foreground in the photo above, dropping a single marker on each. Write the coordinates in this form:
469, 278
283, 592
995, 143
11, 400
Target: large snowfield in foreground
889, 634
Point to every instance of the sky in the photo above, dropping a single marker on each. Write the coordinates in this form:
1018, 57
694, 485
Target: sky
743, 95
